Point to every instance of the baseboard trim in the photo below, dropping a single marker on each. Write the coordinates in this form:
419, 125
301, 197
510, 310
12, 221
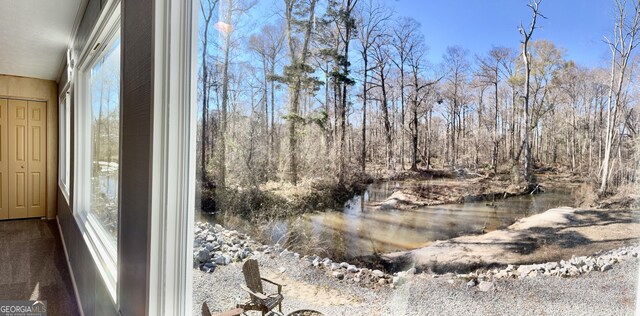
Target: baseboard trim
73, 279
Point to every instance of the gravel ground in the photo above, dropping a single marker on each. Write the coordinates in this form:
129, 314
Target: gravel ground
596, 293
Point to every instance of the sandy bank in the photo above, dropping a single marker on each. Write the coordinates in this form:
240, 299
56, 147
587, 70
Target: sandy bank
555, 234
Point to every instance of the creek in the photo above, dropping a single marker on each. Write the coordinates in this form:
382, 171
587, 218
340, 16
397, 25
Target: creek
360, 229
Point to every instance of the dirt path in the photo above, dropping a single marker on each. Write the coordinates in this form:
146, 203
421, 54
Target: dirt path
549, 236
309, 293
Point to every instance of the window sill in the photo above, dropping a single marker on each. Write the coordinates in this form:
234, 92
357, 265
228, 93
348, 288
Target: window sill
103, 252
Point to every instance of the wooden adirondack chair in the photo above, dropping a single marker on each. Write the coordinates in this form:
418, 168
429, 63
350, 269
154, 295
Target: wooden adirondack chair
259, 300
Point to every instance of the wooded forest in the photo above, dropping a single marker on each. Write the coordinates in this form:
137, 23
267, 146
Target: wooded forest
296, 90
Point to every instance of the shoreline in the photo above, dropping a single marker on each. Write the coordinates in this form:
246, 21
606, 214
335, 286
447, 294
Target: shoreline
543, 237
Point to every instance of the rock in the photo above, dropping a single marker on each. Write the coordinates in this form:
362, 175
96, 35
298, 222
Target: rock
573, 271
210, 238
219, 260
364, 270
316, 262
344, 264
502, 274
227, 259
411, 271
382, 281
485, 286
234, 249
335, 266
509, 268
525, 270
352, 269
203, 255
377, 273
296, 255
471, 283
327, 262
218, 227
338, 275
208, 267
606, 267
356, 280
551, 265
397, 280
282, 270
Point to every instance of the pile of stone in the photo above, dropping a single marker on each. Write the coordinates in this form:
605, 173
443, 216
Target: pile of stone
564, 268
215, 246
351, 274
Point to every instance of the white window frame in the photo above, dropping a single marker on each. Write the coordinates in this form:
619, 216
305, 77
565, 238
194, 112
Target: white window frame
173, 170
64, 143
97, 239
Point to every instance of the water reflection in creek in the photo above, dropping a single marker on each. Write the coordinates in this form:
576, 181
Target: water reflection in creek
360, 230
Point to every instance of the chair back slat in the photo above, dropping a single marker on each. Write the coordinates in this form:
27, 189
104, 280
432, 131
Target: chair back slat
252, 275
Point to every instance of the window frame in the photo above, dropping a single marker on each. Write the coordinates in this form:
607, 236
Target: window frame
64, 143
173, 168
98, 240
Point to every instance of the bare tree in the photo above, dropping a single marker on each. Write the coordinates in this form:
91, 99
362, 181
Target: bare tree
381, 59
457, 66
268, 44
527, 68
622, 45
489, 73
207, 7
404, 43
372, 19
420, 93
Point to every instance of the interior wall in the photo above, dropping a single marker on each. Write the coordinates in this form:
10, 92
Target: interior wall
46, 90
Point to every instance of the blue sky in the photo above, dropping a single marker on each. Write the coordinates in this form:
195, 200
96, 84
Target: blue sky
576, 25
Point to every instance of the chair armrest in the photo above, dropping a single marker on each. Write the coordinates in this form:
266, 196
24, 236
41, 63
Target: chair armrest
274, 283
252, 293
232, 312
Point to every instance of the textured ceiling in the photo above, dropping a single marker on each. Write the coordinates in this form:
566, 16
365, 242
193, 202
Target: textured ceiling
34, 35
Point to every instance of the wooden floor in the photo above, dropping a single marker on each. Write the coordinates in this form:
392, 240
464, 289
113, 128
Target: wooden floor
33, 265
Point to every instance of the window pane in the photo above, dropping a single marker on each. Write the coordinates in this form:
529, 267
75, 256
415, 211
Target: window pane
65, 139
105, 127
67, 142
63, 142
